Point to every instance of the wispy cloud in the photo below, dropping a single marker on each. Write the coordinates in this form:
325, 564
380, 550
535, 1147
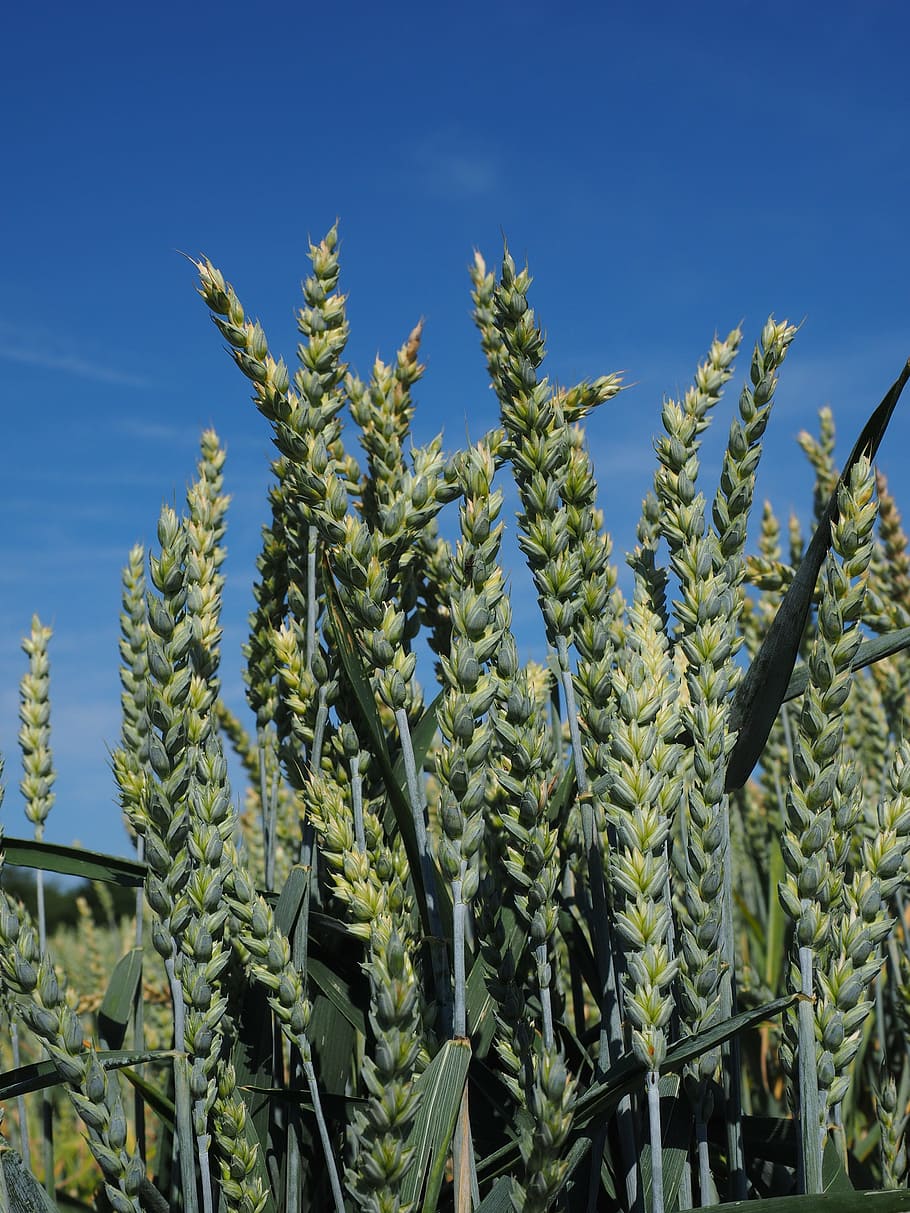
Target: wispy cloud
155, 431
53, 353
450, 162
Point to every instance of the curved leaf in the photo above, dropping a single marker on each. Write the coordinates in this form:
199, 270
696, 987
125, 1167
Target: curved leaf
338, 993
71, 861
38, 1075
625, 1077
828, 1202
441, 1086
762, 690
868, 653
499, 1198
119, 998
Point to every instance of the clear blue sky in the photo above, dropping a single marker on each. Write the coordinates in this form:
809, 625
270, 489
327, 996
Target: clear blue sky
667, 169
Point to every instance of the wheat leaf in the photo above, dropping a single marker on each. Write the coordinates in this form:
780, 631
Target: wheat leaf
117, 1006
71, 861
761, 692
441, 1086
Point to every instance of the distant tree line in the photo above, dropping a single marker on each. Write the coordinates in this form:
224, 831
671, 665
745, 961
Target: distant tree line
60, 899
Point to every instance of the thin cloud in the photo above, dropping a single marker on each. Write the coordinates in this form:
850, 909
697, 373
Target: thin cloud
32, 349
450, 163
153, 431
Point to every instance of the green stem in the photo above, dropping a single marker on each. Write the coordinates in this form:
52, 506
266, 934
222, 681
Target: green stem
322, 717
24, 1144
294, 1178
418, 816
310, 596
272, 852
264, 806
546, 1007
810, 1125
294, 1169
313, 1085
705, 1178
652, 1089
139, 1010
182, 1099
775, 950
731, 1050
185, 1133
459, 1022
357, 804
47, 1106
39, 893
203, 1141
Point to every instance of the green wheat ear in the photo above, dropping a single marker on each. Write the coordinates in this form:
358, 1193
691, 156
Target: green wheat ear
34, 733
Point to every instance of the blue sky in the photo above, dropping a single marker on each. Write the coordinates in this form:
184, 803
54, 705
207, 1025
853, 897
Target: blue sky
668, 170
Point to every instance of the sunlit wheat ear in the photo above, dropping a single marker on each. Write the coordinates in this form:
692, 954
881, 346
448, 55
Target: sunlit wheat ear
29, 976
38, 774
704, 612
266, 955
599, 605
463, 760
38, 777
483, 283
365, 565
822, 806
539, 444
383, 409
205, 526
894, 546
367, 874
682, 513
706, 641
305, 419
203, 946
811, 885
867, 736
733, 499
186, 818
286, 599
766, 572
645, 792
524, 857
392, 486
892, 1123
890, 605
34, 732
131, 758
368, 880
271, 593
861, 923
476, 675
241, 1188
379, 1129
